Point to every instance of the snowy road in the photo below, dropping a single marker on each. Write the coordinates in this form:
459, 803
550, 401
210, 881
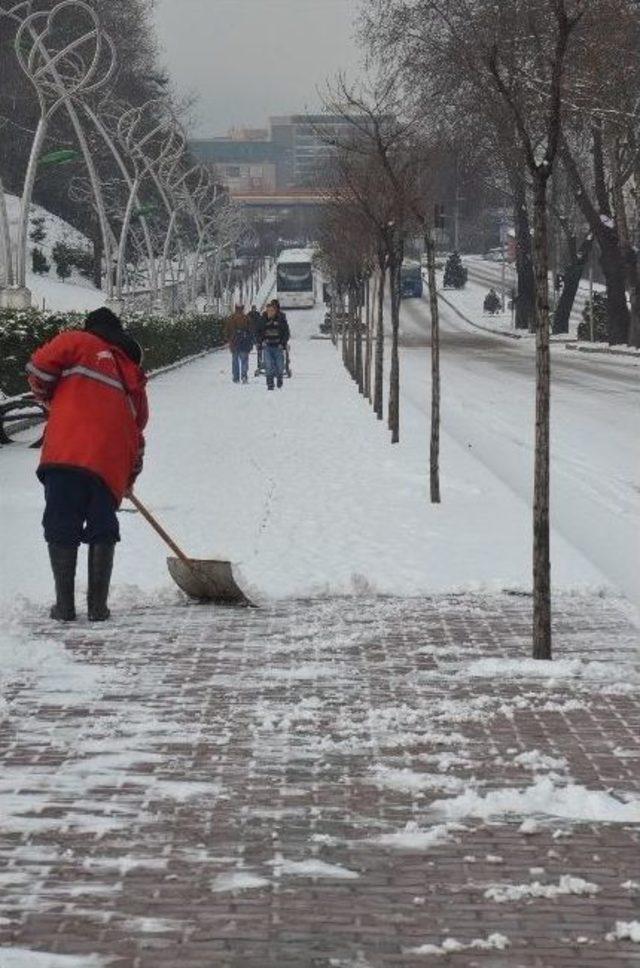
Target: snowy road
488, 407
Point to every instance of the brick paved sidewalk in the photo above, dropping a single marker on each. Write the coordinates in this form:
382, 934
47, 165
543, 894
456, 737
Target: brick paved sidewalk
199, 788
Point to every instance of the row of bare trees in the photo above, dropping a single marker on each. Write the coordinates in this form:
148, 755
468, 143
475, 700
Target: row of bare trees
484, 76
546, 95
381, 193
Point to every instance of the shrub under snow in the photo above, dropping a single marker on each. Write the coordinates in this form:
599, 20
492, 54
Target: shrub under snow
164, 341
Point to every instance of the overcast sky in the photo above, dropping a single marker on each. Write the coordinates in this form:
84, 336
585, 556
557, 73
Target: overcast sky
248, 59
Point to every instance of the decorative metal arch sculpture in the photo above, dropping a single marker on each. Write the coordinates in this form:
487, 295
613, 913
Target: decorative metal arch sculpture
60, 77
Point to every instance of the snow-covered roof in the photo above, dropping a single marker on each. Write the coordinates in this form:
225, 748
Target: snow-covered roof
295, 255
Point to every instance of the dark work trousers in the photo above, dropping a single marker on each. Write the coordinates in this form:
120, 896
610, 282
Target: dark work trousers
273, 357
78, 508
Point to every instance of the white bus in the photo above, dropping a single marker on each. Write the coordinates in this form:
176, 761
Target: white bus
295, 282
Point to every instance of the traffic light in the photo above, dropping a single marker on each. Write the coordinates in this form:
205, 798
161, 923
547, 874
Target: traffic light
439, 216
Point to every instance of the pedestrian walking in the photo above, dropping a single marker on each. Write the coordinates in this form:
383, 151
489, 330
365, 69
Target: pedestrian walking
287, 353
93, 386
255, 318
274, 337
241, 339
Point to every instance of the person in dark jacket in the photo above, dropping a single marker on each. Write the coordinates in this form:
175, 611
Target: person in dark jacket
274, 337
255, 318
241, 339
94, 389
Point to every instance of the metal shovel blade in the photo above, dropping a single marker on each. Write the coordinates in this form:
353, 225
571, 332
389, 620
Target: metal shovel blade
207, 580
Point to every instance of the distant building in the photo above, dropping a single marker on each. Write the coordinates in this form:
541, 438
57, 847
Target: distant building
306, 141
291, 154
241, 165
248, 134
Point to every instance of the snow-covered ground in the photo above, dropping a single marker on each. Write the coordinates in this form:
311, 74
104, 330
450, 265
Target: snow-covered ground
179, 759
488, 409
302, 489
484, 274
48, 291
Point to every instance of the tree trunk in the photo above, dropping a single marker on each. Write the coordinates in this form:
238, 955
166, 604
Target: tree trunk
526, 295
378, 391
606, 234
394, 375
332, 310
613, 267
358, 361
351, 351
572, 276
629, 253
634, 280
345, 325
434, 443
541, 551
368, 345
634, 332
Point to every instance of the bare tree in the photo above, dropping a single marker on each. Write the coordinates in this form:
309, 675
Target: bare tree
600, 150
380, 172
520, 55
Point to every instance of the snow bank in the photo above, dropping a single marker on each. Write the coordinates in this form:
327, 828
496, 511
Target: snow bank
625, 931
238, 880
538, 668
413, 837
571, 802
450, 946
516, 892
283, 867
45, 665
537, 761
27, 958
409, 781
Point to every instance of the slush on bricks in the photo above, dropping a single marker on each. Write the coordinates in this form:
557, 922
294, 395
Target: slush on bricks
92, 384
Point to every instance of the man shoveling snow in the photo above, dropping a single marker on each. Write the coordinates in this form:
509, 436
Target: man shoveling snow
92, 384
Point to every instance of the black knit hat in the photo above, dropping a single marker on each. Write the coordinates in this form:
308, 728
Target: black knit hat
102, 317
105, 324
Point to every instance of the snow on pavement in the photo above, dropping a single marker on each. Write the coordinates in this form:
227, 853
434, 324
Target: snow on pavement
169, 782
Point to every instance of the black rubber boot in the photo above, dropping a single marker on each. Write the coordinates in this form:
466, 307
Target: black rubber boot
100, 568
63, 564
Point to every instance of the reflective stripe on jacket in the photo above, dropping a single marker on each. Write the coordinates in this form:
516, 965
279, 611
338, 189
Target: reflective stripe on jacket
97, 407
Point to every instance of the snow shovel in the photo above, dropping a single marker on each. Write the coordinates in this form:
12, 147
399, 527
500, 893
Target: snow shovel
206, 580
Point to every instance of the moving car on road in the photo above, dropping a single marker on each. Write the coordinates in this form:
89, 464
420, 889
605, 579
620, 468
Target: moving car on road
410, 279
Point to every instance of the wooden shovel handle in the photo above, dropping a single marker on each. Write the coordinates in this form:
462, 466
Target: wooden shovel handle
159, 529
